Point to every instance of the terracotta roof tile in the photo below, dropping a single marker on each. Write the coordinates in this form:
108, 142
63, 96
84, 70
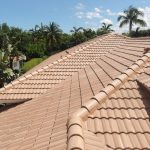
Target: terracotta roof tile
127, 125
123, 120
60, 69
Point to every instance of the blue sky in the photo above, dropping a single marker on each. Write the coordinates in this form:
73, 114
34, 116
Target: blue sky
67, 13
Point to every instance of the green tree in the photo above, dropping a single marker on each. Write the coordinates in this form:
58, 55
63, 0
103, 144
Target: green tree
89, 33
77, 35
35, 33
6, 73
4, 28
53, 36
106, 28
35, 50
65, 41
131, 17
8, 52
75, 30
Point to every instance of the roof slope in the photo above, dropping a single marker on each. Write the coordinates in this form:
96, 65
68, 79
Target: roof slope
41, 122
121, 114
49, 73
124, 120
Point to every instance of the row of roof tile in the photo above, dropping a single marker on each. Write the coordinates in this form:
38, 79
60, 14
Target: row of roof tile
41, 122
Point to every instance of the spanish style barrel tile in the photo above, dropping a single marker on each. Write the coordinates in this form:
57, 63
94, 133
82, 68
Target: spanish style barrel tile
64, 83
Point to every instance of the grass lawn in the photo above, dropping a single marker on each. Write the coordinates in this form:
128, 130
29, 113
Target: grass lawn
31, 63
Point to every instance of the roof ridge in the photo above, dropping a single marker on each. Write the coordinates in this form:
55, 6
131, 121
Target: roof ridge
24, 77
75, 122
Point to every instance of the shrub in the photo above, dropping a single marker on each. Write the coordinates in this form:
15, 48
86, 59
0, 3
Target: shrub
31, 63
35, 50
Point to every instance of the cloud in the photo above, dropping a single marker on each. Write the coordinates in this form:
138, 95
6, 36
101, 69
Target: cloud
91, 15
146, 17
107, 21
80, 6
80, 14
117, 29
110, 13
97, 10
96, 13
120, 13
92, 25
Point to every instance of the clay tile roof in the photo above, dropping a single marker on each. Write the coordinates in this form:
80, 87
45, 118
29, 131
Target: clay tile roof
99, 106
118, 122
57, 68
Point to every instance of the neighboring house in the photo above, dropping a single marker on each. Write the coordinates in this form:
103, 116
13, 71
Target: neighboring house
18, 62
16, 65
94, 97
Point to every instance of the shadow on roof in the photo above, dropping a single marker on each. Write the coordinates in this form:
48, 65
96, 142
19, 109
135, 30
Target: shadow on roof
145, 98
6, 107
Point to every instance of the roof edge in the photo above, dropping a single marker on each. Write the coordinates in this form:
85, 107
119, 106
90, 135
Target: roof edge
13, 101
75, 122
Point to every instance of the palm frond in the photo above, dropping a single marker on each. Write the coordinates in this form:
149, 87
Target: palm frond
121, 17
123, 22
140, 22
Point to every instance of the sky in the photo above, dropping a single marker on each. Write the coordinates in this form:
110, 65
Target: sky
26, 14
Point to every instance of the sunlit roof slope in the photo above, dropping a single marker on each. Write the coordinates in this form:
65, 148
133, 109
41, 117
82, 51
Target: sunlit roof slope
57, 68
101, 105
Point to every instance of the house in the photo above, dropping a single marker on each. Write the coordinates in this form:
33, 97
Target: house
18, 62
94, 97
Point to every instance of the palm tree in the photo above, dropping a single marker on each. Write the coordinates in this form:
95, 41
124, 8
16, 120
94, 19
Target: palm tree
53, 35
106, 27
4, 28
137, 31
76, 30
89, 33
35, 32
42, 31
131, 17
77, 36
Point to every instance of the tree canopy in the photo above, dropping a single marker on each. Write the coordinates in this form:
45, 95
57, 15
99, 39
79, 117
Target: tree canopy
131, 16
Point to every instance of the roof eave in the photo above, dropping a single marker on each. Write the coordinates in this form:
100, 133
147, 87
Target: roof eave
13, 101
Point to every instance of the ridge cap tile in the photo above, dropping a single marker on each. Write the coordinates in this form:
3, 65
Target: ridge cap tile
49, 65
22, 78
55, 62
45, 67
15, 82
40, 70
34, 73
28, 76
8, 86
91, 105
